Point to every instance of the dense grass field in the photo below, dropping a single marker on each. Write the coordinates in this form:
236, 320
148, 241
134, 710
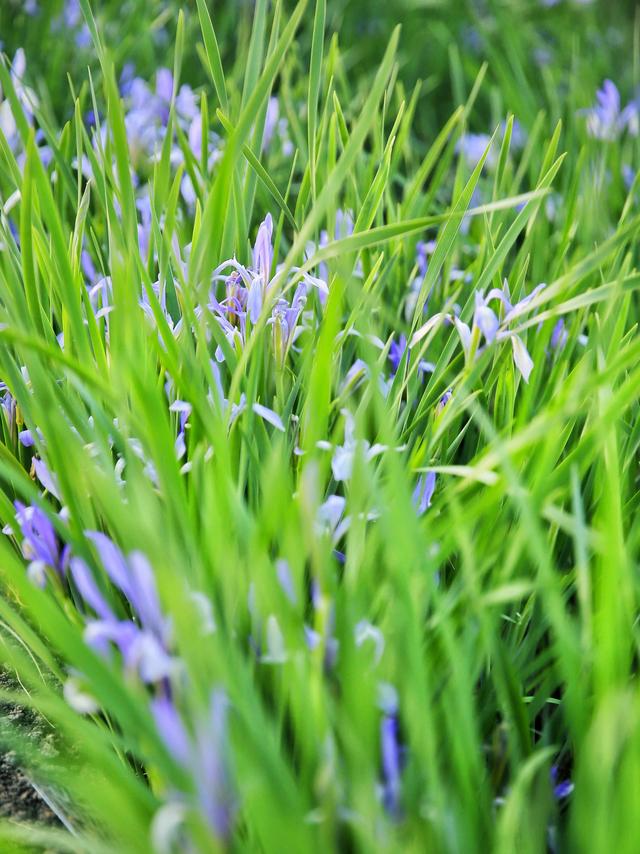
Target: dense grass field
319, 431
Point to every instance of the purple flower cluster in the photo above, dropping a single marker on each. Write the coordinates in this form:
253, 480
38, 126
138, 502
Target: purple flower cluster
250, 291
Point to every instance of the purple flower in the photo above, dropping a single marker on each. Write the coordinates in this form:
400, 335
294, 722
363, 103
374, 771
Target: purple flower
171, 729
390, 751
71, 19
485, 319
472, 146
423, 492
628, 175
184, 411
40, 544
9, 407
204, 754
605, 120
144, 645
559, 335
561, 788
285, 580
263, 251
396, 352
446, 397
269, 415
344, 455
247, 291
46, 477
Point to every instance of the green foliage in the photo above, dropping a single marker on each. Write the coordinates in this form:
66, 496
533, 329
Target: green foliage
504, 617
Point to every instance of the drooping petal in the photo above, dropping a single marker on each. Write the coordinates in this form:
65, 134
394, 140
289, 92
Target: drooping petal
487, 322
46, 477
521, 357
269, 415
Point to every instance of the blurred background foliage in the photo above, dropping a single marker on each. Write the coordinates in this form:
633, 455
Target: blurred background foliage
542, 54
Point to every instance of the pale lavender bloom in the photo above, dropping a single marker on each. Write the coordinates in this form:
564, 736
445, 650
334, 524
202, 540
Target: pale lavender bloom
46, 477
184, 411
203, 754
518, 135
143, 205
134, 576
559, 335
27, 438
187, 104
330, 517
9, 407
164, 85
283, 572
390, 751
271, 122
88, 267
472, 147
485, 319
606, 120
331, 645
396, 352
521, 357
344, 455
144, 645
71, 19
276, 128
28, 102
171, 728
357, 374
628, 175
269, 415
263, 250
40, 544
423, 492
247, 291
343, 228
423, 251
